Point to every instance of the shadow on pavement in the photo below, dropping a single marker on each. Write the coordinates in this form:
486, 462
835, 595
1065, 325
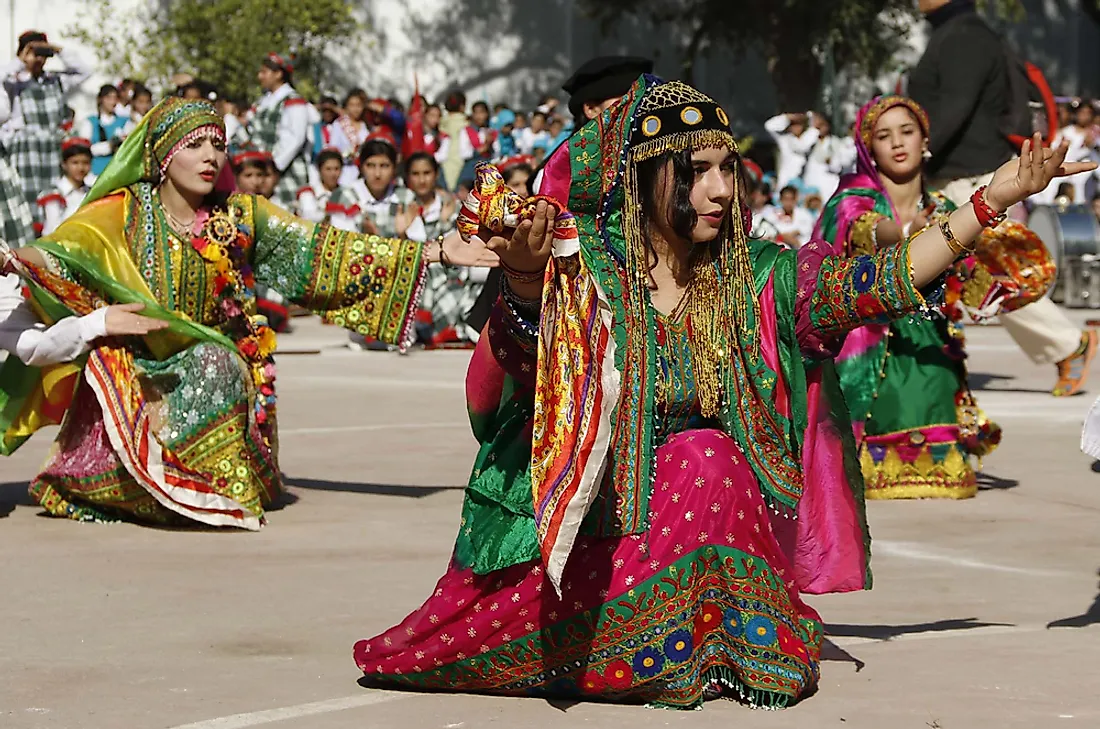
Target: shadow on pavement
830, 651
989, 482
285, 499
13, 494
979, 381
1089, 617
376, 489
889, 632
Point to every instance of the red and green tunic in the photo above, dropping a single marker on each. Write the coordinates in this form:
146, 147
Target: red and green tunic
707, 590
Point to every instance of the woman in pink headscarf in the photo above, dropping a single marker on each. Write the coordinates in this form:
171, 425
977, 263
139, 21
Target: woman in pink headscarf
915, 418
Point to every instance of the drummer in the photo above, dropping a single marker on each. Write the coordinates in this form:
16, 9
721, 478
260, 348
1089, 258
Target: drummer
1072, 233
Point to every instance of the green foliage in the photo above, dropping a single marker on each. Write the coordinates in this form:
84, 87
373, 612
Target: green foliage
220, 41
793, 36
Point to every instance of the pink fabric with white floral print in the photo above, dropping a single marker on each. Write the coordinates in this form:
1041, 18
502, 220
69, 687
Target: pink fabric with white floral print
704, 494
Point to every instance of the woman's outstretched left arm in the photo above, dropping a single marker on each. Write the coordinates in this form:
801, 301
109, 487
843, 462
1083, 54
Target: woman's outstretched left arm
836, 295
931, 253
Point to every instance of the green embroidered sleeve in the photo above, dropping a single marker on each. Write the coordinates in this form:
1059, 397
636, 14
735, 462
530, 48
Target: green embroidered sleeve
846, 293
365, 283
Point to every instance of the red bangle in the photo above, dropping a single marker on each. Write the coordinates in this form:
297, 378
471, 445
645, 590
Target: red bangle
987, 216
523, 277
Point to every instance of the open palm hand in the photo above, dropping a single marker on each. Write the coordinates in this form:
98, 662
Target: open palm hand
1018, 179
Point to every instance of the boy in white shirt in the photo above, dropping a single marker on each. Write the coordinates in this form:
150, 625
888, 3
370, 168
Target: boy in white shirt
795, 224
795, 141
68, 193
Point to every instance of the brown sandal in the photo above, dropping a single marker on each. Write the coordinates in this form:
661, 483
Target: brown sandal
1074, 370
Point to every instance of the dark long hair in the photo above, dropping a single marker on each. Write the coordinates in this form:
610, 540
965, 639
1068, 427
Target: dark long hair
680, 213
357, 94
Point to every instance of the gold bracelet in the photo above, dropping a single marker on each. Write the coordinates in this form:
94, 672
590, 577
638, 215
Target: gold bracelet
952, 242
442, 256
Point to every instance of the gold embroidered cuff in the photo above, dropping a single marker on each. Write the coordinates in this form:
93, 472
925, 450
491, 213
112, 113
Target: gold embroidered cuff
862, 237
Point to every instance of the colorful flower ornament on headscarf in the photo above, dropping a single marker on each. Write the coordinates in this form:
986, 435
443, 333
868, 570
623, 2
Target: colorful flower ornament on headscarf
145, 155
871, 114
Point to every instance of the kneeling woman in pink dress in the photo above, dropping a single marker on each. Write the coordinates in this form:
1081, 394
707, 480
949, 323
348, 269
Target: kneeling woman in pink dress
666, 461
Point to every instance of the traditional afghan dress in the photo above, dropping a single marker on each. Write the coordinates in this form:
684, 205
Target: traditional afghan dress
178, 427
652, 492
916, 421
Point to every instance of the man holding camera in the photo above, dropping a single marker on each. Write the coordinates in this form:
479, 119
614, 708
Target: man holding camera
32, 137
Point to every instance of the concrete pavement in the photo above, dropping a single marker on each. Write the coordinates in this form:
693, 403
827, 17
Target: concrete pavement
118, 626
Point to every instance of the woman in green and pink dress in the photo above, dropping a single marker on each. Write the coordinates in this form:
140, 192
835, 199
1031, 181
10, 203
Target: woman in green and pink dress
916, 422
666, 463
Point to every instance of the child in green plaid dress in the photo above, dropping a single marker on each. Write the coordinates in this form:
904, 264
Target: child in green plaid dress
449, 292
16, 221
32, 136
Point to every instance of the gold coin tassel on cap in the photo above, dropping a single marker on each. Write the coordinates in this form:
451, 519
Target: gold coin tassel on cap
651, 126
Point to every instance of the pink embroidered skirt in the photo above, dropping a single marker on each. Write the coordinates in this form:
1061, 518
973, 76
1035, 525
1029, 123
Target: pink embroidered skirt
705, 598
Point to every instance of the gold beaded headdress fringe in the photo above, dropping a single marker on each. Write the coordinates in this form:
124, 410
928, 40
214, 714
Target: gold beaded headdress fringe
721, 301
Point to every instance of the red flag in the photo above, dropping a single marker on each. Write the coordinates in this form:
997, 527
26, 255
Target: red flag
414, 124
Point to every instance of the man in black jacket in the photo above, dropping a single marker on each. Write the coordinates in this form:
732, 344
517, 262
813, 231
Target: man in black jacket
962, 82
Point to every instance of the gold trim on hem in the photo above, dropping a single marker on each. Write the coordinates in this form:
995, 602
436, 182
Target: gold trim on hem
893, 478
923, 491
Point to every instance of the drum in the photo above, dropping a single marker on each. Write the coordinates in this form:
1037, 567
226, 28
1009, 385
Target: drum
1072, 235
